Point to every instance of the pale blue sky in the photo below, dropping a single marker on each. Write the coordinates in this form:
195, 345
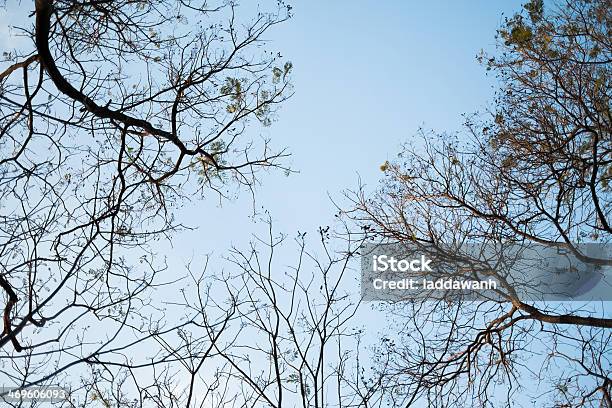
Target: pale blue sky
367, 74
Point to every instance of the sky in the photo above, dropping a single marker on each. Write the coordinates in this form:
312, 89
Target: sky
367, 75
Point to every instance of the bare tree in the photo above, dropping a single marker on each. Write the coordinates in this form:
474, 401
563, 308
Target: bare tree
536, 170
110, 115
293, 341
262, 334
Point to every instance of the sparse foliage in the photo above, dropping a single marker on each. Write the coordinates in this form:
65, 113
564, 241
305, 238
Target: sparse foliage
536, 170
